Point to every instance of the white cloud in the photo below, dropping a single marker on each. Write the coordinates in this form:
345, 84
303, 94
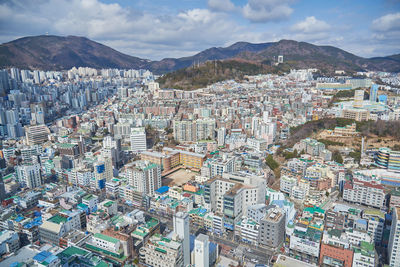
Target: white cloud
386, 33
389, 22
137, 33
310, 25
221, 5
155, 36
267, 10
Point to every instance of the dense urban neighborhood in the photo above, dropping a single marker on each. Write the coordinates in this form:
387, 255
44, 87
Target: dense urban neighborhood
105, 168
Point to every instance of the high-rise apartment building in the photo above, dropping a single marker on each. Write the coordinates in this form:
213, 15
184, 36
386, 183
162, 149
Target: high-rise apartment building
144, 176
36, 134
358, 98
29, 175
373, 94
221, 133
272, 228
196, 130
181, 229
202, 251
138, 140
394, 240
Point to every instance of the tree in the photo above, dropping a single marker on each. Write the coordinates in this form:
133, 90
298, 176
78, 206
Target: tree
337, 157
168, 130
271, 162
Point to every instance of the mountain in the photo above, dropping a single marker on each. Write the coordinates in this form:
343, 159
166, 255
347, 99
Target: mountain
211, 72
55, 52
327, 58
214, 53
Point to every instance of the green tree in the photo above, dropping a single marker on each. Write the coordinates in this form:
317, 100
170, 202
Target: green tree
337, 157
271, 162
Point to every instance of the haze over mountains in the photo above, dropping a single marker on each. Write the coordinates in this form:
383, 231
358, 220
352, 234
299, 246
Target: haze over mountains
61, 53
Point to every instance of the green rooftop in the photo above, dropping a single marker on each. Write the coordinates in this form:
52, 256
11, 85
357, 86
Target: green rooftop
108, 204
367, 246
314, 209
106, 238
65, 145
88, 197
374, 212
71, 251
151, 223
102, 264
58, 218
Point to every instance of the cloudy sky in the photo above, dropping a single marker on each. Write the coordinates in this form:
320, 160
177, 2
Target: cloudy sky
156, 29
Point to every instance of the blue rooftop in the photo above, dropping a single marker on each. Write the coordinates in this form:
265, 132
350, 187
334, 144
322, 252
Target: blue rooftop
19, 218
41, 256
361, 221
162, 189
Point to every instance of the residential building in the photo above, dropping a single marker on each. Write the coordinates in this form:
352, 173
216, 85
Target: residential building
364, 255
202, 251
162, 251
9, 242
394, 239
272, 227
138, 139
29, 175
181, 229
37, 134
366, 193
144, 176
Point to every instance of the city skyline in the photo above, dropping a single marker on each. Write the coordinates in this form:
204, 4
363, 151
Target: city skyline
161, 29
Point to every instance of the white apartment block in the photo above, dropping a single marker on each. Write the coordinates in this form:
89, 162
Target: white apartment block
81, 177
29, 175
220, 165
192, 131
202, 251
144, 176
376, 223
366, 193
105, 242
138, 140
162, 252
247, 229
287, 183
258, 145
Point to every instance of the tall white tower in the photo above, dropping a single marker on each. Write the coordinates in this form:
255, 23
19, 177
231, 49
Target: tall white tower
138, 139
181, 229
394, 254
221, 133
201, 251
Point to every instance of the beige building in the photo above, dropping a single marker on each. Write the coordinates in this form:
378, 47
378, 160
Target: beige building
36, 134
162, 251
348, 130
356, 114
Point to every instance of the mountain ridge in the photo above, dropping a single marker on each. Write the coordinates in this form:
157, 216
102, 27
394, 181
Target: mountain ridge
63, 52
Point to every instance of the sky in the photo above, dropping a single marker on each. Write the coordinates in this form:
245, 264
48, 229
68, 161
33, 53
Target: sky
157, 29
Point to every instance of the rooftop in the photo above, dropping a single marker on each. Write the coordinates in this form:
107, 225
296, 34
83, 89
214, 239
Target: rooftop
106, 238
58, 218
88, 197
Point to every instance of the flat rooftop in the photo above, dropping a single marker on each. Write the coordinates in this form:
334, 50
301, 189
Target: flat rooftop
285, 261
